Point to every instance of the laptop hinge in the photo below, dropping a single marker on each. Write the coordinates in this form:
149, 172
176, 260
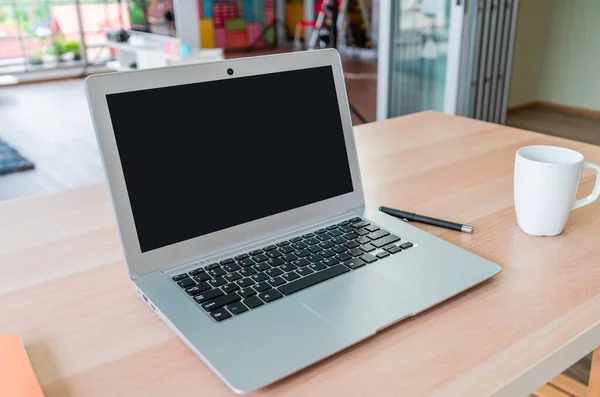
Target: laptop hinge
265, 240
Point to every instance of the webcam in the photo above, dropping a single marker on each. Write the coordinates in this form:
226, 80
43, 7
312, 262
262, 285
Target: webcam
230, 72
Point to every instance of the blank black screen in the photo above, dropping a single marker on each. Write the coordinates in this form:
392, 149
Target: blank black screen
203, 157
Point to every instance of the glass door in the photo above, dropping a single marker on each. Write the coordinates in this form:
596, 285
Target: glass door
419, 56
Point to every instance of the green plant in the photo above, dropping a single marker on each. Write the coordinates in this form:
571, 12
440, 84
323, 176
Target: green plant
59, 45
73, 46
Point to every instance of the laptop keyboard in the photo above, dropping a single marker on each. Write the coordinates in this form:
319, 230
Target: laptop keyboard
248, 281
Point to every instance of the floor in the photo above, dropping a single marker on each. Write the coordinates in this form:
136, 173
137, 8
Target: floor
49, 123
551, 122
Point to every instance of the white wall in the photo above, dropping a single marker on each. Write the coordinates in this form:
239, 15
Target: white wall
530, 45
557, 53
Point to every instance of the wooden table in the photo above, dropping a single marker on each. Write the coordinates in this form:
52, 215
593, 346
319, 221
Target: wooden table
64, 289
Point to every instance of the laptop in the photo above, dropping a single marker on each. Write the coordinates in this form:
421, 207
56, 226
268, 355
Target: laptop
238, 196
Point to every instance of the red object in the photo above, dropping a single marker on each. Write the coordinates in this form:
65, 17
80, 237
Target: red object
254, 33
222, 12
269, 16
236, 39
220, 38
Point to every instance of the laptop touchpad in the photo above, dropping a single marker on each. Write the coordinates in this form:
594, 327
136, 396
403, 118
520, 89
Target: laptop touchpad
365, 303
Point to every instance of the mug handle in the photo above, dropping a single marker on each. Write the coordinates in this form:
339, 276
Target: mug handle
595, 193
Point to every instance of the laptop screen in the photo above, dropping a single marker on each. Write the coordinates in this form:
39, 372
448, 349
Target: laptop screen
203, 157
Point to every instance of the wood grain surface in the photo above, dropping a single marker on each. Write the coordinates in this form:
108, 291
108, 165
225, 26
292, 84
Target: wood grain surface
64, 289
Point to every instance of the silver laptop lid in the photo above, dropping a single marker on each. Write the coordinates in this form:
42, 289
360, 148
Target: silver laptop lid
206, 157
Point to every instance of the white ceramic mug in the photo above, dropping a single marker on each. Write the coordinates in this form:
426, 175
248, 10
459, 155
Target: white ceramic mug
546, 181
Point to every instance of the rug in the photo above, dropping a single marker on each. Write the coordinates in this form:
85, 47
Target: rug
11, 161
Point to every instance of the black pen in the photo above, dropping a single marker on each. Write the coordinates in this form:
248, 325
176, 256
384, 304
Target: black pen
412, 217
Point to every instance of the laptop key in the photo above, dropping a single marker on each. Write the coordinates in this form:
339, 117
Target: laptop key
308, 235
363, 240
274, 254
213, 293
291, 276
186, 282
269, 247
198, 271
276, 282
320, 231
220, 301
226, 261
288, 267
217, 282
355, 263
203, 287
313, 279
378, 234
274, 272
262, 286
382, 254
241, 257
339, 249
302, 253
246, 292
331, 261
295, 239
372, 228
276, 262
394, 249
270, 295
343, 223
232, 267
289, 257
216, 272
286, 250
255, 252
232, 276
195, 290
385, 240
358, 225
305, 271
260, 258
350, 236
327, 253
315, 248
261, 267
368, 258
362, 232
246, 262
343, 257
245, 282
311, 241
201, 277
367, 247
220, 314
180, 277
347, 229
355, 219
252, 302
230, 287
259, 277
283, 243
317, 266
335, 233
339, 240
211, 266
299, 245
323, 237
301, 262
326, 244
247, 272
236, 308
406, 245
314, 258
356, 252
351, 244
